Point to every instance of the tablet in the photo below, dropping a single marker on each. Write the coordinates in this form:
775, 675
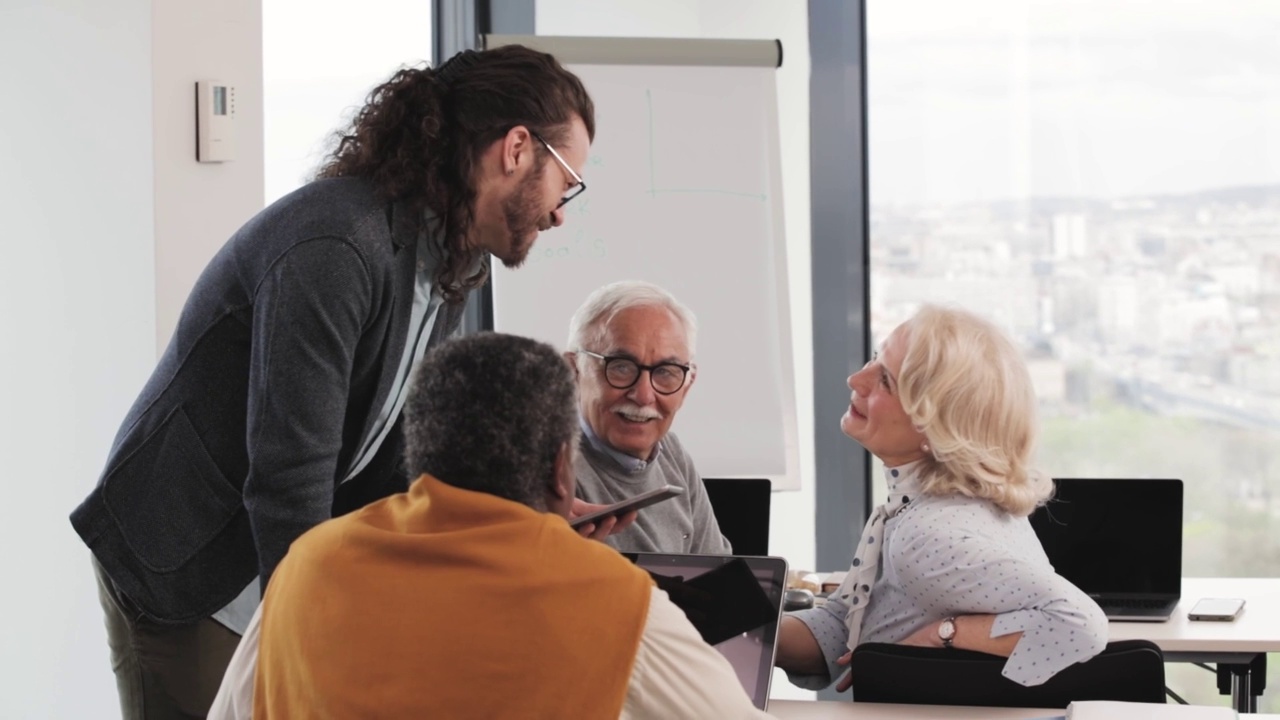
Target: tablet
643, 500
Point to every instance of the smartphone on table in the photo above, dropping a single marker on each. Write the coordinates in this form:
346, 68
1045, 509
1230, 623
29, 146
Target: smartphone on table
1219, 609
636, 502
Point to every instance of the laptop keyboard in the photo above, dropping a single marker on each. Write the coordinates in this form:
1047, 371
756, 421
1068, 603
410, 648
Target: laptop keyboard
1133, 604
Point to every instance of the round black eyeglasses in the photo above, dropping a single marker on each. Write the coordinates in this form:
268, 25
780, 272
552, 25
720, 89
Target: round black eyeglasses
623, 372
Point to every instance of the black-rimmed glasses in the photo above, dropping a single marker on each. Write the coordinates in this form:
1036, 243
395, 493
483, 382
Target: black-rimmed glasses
574, 191
623, 372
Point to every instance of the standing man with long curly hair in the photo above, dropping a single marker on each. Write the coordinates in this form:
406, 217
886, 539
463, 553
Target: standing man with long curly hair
277, 402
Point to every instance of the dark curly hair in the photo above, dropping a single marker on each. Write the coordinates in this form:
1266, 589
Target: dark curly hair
419, 135
488, 412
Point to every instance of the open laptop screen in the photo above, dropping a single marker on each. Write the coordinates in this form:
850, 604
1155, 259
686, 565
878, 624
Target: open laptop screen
741, 506
751, 646
1115, 536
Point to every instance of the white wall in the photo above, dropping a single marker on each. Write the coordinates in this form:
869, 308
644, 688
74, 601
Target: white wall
791, 532
199, 205
77, 323
108, 219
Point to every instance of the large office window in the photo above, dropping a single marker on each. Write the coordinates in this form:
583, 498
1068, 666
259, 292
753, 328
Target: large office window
320, 59
1101, 178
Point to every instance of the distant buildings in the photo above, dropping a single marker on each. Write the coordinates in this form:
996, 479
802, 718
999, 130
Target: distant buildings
1185, 287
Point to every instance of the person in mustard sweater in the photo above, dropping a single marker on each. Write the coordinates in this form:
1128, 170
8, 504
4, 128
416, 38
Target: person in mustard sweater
470, 595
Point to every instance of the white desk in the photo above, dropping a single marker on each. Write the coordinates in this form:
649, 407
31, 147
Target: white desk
826, 710
1238, 647
834, 710
1256, 630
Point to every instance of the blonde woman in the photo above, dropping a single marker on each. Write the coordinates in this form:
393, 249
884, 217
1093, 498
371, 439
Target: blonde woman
950, 559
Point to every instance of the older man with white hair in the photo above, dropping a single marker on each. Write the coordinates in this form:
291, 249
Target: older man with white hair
631, 345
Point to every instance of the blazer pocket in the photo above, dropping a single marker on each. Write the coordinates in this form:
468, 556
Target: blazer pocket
168, 497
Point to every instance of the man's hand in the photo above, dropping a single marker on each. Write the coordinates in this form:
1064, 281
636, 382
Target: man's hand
606, 526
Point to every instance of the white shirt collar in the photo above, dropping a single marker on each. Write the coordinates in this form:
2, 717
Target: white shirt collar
904, 478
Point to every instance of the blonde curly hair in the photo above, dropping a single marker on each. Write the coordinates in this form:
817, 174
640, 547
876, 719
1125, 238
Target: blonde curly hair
965, 386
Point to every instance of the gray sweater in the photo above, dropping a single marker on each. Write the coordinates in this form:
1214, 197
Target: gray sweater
684, 524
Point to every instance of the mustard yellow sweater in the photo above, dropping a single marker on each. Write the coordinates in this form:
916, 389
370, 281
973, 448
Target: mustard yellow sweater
447, 603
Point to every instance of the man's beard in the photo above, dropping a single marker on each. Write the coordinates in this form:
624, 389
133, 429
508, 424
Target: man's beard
524, 215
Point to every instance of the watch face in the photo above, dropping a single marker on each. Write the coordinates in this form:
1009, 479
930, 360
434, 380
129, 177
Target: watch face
947, 630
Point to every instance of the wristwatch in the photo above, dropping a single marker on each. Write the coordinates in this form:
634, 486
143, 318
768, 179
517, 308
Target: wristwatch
947, 632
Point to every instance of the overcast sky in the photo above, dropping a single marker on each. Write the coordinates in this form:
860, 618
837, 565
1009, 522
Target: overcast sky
994, 99
969, 101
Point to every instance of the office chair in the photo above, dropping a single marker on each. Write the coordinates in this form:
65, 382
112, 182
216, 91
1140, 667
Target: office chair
1127, 670
741, 507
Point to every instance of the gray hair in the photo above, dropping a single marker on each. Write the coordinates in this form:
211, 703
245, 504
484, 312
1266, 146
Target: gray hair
590, 323
488, 412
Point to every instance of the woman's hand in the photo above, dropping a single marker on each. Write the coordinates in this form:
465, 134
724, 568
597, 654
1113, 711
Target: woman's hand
607, 526
846, 680
926, 636
973, 632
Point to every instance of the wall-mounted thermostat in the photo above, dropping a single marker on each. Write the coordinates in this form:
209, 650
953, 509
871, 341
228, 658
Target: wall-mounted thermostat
215, 121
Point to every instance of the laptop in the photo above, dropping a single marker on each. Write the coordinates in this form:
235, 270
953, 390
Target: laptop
743, 621
1119, 540
741, 507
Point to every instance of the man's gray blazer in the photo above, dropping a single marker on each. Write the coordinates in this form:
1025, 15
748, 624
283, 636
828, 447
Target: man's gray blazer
284, 354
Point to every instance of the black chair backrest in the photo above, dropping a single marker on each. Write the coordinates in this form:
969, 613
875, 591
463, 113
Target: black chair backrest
742, 510
1127, 670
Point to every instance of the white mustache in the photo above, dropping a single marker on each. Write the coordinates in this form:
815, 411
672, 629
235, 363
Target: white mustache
627, 407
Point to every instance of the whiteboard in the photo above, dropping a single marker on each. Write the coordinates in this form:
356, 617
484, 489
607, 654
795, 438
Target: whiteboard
683, 190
